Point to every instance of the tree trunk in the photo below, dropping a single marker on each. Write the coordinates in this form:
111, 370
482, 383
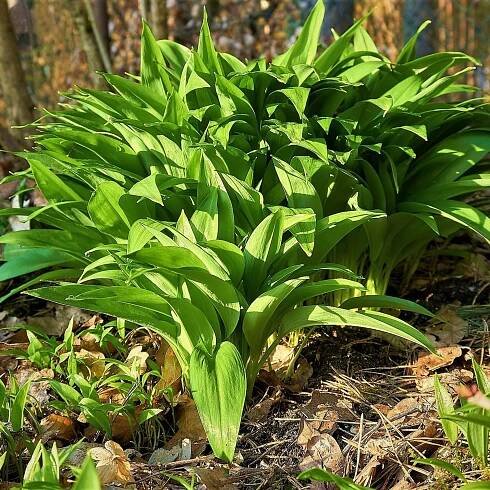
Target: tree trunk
159, 18
19, 105
144, 8
101, 19
87, 38
385, 24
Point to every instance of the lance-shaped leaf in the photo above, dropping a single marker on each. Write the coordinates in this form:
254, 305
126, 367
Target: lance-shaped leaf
218, 384
304, 49
309, 316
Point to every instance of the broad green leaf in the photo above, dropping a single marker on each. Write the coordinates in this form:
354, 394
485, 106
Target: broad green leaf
69, 394
20, 261
304, 49
439, 463
319, 474
459, 212
206, 49
445, 407
87, 477
54, 189
329, 58
407, 53
260, 250
142, 307
299, 191
18, 406
113, 211
218, 384
153, 73
476, 485
331, 229
383, 301
256, 320
310, 316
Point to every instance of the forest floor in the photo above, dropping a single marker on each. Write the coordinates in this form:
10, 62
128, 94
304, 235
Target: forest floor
355, 404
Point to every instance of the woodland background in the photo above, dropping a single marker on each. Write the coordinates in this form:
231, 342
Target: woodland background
47, 46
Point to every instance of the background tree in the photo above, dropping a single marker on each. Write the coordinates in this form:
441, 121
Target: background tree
19, 107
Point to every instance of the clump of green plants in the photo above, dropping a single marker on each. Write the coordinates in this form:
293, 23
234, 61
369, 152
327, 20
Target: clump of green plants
470, 418
209, 199
45, 470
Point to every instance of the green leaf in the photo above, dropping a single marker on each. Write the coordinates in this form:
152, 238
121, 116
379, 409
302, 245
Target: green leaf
256, 327
18, 406
318, 474
87, 477
71, 396
383, 301
299, 191
113, 211
20, 261
465, 215
445, 407
218, 384
476, 485
309, 316
148, 414
136, 305
261, 248
3, 458
153, 73
206, 49
53, 188
439, 463
329, 58
407, 53
304, 49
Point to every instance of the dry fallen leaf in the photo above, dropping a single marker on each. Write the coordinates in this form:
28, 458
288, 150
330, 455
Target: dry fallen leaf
451, 379
447, 328
324, 410
379, 446
112, 464
39, 389
190, 427
136, 360
171, 372
57, 427
476, 266
76, 458
124, 425
428, 363
260, 411
92, 322
281, 358
300, 376
405, 412
323, 451
94, 362
215, 478
111, 395
56, 322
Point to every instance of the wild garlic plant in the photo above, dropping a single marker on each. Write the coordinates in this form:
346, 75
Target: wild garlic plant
209, 199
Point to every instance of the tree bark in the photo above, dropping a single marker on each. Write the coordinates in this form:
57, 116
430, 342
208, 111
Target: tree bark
101, 20
144, 8
159, 18
385, 24
19, 105
87, 38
